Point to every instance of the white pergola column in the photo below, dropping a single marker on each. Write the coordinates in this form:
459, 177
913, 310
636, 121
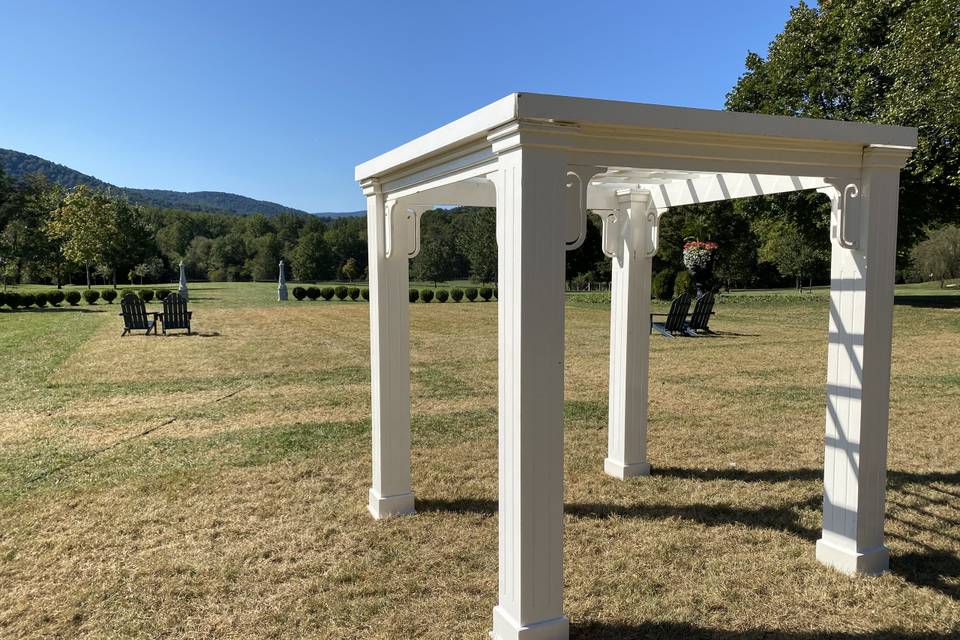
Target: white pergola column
858, 365
530, 232
634, 244
390, 494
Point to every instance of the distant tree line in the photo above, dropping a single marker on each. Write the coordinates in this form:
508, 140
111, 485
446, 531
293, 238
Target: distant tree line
49, 234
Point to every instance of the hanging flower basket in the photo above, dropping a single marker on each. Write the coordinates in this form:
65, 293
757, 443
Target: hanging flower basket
698, 259
698, 256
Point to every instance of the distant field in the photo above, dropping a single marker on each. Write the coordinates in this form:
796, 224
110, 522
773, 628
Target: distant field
214, 486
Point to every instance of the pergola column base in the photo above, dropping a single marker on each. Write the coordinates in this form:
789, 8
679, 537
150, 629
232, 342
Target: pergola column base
505, 628
624, 471
387, 507
871, 562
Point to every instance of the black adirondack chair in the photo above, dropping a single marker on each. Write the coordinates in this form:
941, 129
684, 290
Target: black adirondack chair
676, 318
700, 318
135, 316
175, 313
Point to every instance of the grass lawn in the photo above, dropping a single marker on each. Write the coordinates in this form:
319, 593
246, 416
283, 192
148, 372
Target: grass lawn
215, 486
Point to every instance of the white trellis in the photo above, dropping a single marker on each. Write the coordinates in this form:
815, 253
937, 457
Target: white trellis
544, 161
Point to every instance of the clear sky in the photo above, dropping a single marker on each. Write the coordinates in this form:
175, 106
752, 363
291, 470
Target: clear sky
279, 100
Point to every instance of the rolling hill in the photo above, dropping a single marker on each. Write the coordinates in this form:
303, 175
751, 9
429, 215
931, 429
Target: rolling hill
19, 164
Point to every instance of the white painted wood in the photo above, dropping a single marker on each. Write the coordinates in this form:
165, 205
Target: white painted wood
630, 336
531, 195
586, 112
858, 368
527, 143
390, 494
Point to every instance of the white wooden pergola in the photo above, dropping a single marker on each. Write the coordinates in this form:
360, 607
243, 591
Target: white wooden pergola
545, 162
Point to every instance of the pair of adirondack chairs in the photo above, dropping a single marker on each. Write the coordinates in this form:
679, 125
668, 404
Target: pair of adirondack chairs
676, 322
175, 315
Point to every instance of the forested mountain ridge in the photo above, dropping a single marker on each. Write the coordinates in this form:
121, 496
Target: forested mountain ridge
18, 164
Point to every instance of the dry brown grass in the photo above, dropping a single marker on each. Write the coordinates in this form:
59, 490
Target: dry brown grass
246, 517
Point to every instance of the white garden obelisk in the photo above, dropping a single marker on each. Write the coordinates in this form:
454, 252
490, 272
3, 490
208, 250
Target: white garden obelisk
182, 288
282, 285
633, 246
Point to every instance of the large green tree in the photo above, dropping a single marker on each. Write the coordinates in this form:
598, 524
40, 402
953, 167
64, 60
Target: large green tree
478, 242
84, 224
881, 61
312, 258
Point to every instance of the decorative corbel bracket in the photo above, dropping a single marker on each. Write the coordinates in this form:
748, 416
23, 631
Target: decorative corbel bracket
578, 181
633, 225
402, 228
845, 205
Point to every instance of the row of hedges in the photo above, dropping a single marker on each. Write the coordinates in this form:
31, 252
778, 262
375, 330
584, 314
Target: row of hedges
328, 293
425, 295
455, 294
73, 297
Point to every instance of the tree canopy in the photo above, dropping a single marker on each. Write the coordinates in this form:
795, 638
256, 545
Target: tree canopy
880, 61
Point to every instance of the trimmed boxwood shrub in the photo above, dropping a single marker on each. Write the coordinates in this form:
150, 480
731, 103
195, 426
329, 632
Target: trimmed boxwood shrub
41, 299
341, 292
326, 293
13, 300
299, 293
457, 294
145, 294
496, 293
683, 283
662, 285
27, 300
426, 295
73, 297
365, 294
486, 293
3, 298
414, 295
91, 296
109, 295
442, 295
471, 293
354, 293
55, 297
162, 294
312, 292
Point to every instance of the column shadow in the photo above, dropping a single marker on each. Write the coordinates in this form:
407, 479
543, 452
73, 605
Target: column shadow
935, 568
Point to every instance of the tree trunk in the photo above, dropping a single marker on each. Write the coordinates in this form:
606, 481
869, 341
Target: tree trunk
88, 275
114, 278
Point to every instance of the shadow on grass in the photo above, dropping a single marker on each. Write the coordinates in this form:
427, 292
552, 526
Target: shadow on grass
934, 568
192, 334
943, 301
665, 630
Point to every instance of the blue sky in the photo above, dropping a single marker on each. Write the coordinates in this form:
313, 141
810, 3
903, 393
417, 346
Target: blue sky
279, 100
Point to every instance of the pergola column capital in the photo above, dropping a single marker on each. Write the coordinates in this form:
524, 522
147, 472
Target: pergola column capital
885, 157
371, 187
